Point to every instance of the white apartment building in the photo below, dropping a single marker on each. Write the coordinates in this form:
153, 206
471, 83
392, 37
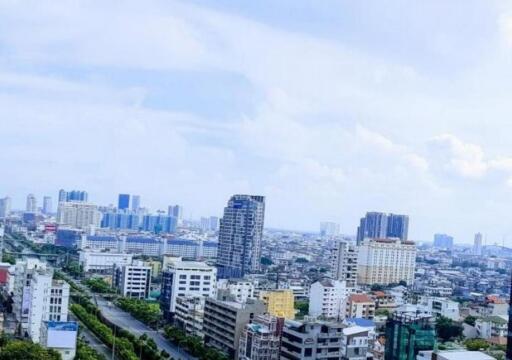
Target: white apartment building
189, 314
78, 214
186, 278
240, 289
133, 280
442, 306
344, 262
103, 261
386, 261
38, 298
327, 298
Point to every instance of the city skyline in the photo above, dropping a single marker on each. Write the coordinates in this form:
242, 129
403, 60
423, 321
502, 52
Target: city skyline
328, 111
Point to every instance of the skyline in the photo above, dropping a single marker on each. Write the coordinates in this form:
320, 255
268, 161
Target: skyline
329, 110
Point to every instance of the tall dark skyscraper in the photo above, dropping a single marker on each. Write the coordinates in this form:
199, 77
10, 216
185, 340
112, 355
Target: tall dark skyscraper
240, 233
377, 225
398, 226
123, 201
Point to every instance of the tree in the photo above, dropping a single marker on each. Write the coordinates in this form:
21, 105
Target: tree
476, 344
303, 307
470, 320
301, 260
447, 329
376, 287
23, 350
382, 312
8, 258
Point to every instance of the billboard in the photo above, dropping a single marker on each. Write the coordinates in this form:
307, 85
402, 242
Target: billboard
26, 301
61, 334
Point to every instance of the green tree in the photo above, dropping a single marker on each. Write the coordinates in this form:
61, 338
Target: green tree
382, 312
476, 344
23, 350
301, 260
303, 307
8, 258
447, 329
470, 320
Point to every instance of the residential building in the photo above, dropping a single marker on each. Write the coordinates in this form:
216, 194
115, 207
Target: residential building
240, 289
240, 234
408, 333
455, 354
133, 280
214, 223
73, 195
443, 241
329, 229
189, 314
78, 214
102, 261
47, 205
123, 202
377, 225
398, 227
5, 207
224, 322
192, 249
360, 306
327, 299
492, 327
308, 339
175, 211
386, 261
344, 262
280, 303
186, 278
38, 298
442, 306
31, 204
261, 339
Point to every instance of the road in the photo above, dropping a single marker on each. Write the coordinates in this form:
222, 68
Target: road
126, 321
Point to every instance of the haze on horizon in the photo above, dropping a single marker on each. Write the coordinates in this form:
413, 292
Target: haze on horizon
328, 108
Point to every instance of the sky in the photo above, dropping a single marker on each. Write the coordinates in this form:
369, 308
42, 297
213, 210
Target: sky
328, 108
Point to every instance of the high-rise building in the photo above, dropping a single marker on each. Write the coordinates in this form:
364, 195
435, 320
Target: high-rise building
477, 245
443, 241
374, 226
214, 223
78, 214
344, 262
31, 203
176, 211
5, 207
408, 333
224, 322
240, 233
329, 229
123, 201
186, 278
133, 280
135, 203
398, 226
377, 225
47, 205
73, 195
386, 261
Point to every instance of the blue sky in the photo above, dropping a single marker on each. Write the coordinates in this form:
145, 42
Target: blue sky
329, 108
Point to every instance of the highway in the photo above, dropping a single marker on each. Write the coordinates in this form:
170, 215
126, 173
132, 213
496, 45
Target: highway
126, 321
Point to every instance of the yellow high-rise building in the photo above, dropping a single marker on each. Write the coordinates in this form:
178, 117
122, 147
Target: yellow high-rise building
279, 303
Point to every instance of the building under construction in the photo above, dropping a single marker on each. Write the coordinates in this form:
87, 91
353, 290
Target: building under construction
408, 333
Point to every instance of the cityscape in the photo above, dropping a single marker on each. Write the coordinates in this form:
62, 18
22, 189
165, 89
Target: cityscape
82, 276
255, 180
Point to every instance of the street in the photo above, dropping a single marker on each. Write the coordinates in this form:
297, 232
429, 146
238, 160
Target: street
126, 321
